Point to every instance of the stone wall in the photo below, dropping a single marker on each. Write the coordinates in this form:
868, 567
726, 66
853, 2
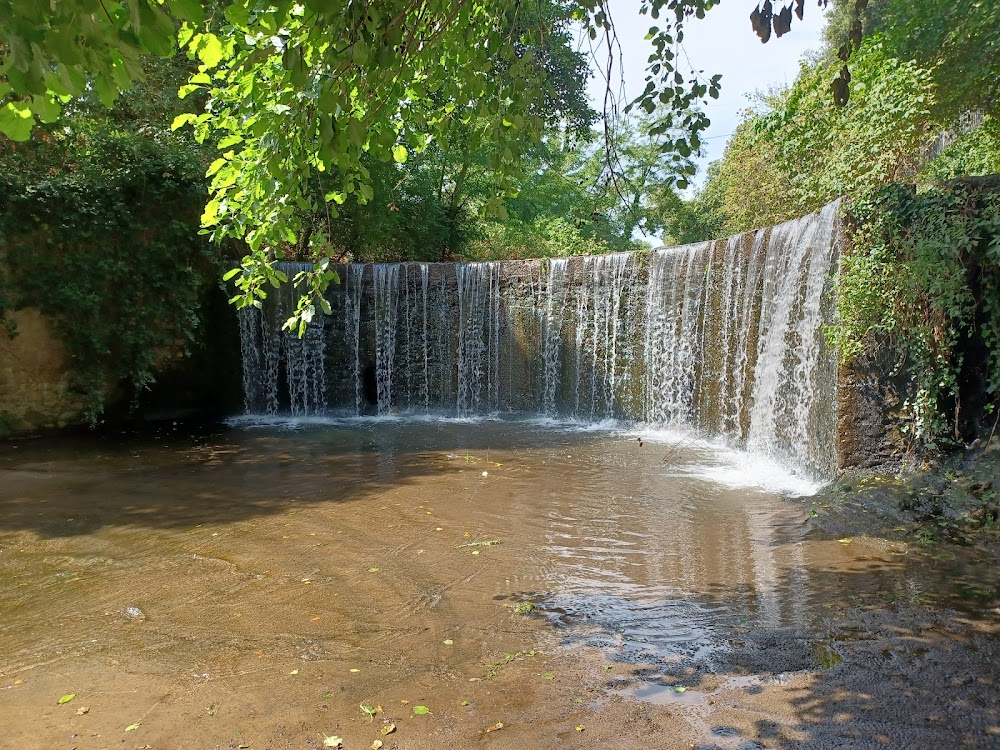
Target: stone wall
34, 379
36, 396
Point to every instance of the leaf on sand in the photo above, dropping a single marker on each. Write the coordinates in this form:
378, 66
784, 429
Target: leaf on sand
333, 742
421, 710
377, 745
355, 670
368, 711
67, 698
449, 642
549, 676
83, 710
387, 729
294, 671
373, 569
845, 540
679, 689
579, 727
495, 728
133, 727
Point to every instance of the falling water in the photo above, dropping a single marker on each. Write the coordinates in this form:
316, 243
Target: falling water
386, 279
721, 338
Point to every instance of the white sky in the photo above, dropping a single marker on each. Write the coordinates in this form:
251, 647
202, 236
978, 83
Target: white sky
722, 42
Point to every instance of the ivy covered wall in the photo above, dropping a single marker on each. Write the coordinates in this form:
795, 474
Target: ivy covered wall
109, 253
919, 318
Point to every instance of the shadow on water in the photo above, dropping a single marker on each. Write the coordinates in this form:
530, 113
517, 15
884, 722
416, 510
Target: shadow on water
714, 601
62, 487
866, 663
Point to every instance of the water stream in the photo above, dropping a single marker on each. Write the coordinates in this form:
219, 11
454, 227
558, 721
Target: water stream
716, 338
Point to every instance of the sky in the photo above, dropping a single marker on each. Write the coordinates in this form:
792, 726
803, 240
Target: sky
722, 42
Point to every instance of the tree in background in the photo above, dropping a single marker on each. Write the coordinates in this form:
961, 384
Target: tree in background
918, 72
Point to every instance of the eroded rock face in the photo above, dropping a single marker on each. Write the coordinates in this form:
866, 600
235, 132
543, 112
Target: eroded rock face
34, 379
871, 392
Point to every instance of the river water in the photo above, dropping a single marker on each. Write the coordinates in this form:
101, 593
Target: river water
253, 585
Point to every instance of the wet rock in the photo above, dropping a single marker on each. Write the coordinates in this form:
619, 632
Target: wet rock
134, 613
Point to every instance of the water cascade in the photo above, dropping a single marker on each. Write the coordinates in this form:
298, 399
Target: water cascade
720, 338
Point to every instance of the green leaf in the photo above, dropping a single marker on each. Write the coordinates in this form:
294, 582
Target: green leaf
181, 120
230, 140
421, 710
16, 123
46, 108
67, 698
187, 10
399, 154
231, 273
209, 50
133, 727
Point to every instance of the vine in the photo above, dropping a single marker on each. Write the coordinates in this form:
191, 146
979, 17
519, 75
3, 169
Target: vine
921, 273
109, 251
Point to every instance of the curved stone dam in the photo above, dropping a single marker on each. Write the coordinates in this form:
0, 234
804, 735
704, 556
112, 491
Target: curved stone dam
721, 338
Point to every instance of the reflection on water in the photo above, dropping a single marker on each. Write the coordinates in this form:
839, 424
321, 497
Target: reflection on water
356, 539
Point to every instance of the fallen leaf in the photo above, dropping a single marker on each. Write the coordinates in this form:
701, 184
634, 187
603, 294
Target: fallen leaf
294, 671
369, 711
18, 682
679, 689
388, 729
67, 698
475, 552
463, 703
404, 702
133, 727
373, 570
327, 695
449, 642
377, 745
438, 529
845, 540
495, 728
421, 710
83, 710
332, 742
549, 675
314, 619
355, 670
579, 727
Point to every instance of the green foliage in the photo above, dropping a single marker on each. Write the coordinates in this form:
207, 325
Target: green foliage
744, 190
974, 153
108, 248
959, 42
922, 273
826, 151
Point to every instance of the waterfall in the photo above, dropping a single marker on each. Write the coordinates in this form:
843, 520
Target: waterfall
386, 280
721, 338
478, 337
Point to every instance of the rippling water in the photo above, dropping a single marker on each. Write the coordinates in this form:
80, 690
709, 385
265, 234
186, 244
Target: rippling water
176, 561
